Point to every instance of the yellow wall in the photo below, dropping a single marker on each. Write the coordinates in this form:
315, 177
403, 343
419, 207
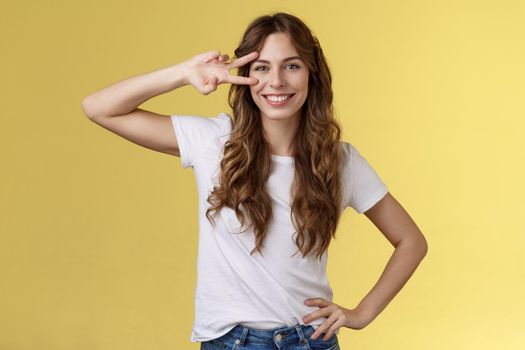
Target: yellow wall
98, 235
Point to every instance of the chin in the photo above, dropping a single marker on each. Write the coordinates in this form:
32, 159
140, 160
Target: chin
278, 115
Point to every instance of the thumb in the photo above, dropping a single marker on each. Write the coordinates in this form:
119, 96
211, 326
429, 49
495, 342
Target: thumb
210, 86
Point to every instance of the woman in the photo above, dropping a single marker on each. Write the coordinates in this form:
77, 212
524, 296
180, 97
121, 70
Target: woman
273, 180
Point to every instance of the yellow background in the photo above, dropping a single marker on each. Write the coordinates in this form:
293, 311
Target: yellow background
99, 235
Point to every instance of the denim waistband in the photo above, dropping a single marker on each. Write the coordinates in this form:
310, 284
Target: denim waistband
280, 336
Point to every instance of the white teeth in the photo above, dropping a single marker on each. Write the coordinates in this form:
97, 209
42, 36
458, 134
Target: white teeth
277, 98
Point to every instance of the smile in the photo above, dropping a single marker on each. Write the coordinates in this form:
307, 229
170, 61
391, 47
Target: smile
277, 100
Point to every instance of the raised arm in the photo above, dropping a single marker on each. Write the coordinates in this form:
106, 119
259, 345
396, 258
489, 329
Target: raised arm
115, 107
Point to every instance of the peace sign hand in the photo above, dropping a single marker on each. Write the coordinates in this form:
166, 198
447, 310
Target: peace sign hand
207, 70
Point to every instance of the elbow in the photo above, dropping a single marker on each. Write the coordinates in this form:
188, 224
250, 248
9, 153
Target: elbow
86, 108
90, 109
417, 244
93, 109
423, 246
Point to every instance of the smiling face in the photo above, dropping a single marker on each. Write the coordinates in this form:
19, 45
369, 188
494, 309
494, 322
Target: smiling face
283, 79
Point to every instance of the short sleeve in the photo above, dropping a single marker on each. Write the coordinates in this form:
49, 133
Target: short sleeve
194, 134
364, 184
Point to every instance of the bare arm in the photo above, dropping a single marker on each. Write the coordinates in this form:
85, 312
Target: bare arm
126, 95
410, 248
115, 107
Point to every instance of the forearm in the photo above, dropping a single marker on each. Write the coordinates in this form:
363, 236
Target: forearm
400, 267
126, 95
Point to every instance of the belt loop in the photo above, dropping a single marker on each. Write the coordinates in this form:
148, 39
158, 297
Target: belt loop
243, 336
302, 338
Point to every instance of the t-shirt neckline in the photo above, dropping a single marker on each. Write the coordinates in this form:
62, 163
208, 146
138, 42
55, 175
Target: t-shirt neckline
282, 159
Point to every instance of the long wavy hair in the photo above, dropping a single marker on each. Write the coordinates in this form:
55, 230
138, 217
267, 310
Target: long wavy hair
247, 164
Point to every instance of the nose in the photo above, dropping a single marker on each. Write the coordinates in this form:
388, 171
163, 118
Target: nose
276, 78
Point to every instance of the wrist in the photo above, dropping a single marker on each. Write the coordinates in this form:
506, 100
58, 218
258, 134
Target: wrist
366, 314
179, 74
358, 318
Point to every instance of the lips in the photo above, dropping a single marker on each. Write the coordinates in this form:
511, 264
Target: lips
278, 103
278, 95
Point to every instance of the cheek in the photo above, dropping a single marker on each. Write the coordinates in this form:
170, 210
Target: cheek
255, 96
253, 91
256, 89
253, 74
304, 82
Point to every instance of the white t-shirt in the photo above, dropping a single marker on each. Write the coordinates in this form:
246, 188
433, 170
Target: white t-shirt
259, 291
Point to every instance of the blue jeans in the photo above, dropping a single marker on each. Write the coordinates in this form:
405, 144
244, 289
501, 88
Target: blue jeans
283, 338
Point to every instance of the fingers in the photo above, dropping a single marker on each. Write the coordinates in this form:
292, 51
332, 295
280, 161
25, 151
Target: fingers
215, 54
211, 55
333, 328
210, 86
317, 302
236, 79
233, 79
241, 61
331, 323
224, 58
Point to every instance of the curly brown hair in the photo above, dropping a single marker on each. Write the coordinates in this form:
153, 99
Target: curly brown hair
247, 164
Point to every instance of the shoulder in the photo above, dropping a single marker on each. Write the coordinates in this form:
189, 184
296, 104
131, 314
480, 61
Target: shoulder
348, 152
363, 185
347, 147
222, 123
195, 134
224, 120
353, 162
197, 125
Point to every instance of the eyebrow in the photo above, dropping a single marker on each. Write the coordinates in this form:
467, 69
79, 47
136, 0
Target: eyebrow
286, 59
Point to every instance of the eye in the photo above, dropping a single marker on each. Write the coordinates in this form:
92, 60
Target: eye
293, 65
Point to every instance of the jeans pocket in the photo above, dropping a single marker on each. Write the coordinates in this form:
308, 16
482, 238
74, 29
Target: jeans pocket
213, 344
320, 344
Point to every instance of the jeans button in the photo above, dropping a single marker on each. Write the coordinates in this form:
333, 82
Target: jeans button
237, 341
278, 337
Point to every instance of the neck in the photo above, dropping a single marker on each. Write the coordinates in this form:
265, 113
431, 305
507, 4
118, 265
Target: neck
280, 133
